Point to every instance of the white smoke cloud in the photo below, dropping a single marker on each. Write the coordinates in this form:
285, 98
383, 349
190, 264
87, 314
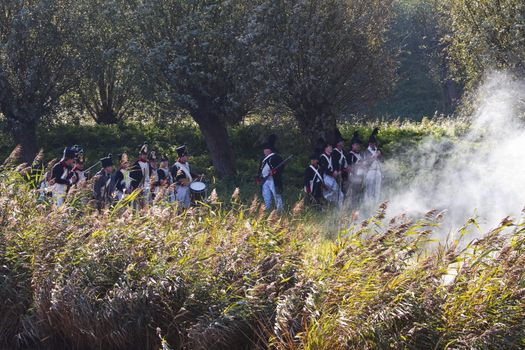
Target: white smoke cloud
480, 175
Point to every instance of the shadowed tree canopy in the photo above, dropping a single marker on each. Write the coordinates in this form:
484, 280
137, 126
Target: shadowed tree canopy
34, 65
107, 88
195, 58
485, 34
424, 85
323, 58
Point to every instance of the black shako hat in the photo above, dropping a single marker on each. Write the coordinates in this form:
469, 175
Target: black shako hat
270, 143
144, 149
181, 151
163, 158
152, 155
338, 137
315, 155
322, 144
106, 161
373, 137
69, 153
356, 139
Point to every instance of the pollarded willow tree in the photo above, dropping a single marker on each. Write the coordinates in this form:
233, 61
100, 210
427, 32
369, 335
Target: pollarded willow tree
323, 58
193, 55
485, 34
108, 86
35, 65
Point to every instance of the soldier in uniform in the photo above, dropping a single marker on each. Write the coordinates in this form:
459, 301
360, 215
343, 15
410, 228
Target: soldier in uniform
152, 160
374, 173
140, 177
122, 179
331, 190
357, 171
340, 163
60, 176
165, 180
78, 175
270, 175
103, 186
313, 182
183, 177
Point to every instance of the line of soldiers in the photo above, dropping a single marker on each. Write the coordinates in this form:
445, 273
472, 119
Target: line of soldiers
334, 175
149, 179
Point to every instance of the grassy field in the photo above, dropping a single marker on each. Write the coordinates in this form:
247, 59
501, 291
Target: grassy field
229, 276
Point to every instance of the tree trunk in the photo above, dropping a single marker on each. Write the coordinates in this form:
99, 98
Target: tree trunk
25, 135
106, 117
451, 89
315, 126
216, 136
452, 94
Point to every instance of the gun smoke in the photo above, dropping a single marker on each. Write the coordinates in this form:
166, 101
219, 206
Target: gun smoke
481, 175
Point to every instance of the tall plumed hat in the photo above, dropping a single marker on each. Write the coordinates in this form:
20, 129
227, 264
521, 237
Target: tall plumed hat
69, 153
270, 143
373, 136
322, 144
356, 139
338, 137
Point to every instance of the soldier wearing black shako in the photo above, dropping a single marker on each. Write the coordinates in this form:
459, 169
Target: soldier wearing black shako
270, 175
313, 181
103, 186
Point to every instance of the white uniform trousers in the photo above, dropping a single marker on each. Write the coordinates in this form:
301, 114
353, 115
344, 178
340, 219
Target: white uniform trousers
268, 191
183, 196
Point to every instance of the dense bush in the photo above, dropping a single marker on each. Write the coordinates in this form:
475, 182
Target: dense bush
99, 140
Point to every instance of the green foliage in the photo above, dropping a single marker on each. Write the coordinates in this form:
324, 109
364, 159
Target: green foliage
194, 60
34, 64
108, 86
322, 59
486, 35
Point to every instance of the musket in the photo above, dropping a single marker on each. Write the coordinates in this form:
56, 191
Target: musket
94, 165
263, 180
91, 167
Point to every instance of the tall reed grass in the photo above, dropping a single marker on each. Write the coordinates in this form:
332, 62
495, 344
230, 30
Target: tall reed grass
232, 277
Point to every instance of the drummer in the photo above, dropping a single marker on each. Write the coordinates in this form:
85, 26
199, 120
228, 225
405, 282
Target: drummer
183, 177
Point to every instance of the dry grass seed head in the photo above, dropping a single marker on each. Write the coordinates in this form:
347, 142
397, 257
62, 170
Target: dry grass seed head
14, 156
